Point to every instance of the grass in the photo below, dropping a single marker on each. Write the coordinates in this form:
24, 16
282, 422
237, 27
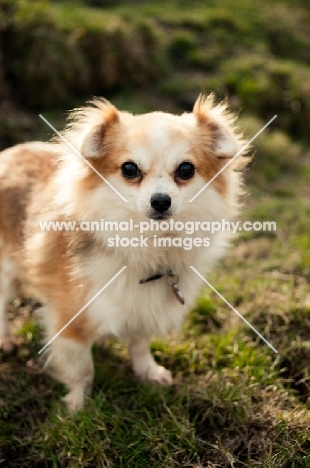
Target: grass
234, 402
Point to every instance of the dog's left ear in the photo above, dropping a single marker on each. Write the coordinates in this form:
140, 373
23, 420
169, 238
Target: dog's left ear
217, 128
94, 140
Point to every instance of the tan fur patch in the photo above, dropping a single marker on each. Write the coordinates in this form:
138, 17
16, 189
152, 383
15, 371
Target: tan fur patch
208, 166
54, 272
21, 168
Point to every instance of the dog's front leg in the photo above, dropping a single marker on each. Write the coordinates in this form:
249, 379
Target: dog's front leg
72, 364
144, 364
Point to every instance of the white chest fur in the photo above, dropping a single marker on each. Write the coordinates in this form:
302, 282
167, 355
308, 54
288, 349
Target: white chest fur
127, 308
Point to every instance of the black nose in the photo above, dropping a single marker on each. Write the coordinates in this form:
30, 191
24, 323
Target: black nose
160, 202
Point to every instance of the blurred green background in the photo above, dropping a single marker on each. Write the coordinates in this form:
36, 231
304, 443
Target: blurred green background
146, 55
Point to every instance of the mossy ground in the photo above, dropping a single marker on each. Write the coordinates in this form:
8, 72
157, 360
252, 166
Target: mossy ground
234, 402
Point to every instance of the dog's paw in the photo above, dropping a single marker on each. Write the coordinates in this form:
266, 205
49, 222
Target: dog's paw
159, 375
74, 399
6, 343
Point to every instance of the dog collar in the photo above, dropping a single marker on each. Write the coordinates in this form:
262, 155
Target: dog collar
172, 281
152, 278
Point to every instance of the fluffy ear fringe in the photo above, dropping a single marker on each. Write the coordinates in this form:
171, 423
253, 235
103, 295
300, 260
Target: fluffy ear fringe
218, 124
88, 126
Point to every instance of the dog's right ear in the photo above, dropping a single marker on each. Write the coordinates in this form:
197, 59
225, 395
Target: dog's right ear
103, 118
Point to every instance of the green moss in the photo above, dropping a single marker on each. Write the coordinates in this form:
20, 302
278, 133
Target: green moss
65, 50
30, 331
269, 86
182, 43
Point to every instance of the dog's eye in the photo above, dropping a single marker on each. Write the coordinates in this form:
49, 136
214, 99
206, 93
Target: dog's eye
185, 171
130, 170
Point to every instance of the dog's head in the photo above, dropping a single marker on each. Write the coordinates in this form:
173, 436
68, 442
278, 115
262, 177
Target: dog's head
158, 161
